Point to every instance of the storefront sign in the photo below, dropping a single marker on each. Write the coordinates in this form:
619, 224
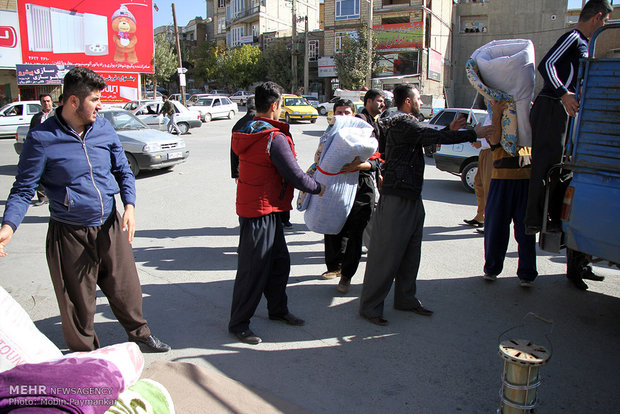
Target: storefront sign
122, 87
327, 67
41, 74
435, 65
10, 51
115, 35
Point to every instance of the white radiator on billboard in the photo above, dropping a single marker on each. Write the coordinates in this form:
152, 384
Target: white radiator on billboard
63, 31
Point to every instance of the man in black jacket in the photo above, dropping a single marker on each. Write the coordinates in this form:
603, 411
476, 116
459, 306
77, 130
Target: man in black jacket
250, 107
396, 240
48, 110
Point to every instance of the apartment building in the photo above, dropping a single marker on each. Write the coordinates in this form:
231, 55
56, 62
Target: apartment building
257, 22
414, 39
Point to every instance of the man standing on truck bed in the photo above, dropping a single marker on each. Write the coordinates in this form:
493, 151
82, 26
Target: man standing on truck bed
549, 118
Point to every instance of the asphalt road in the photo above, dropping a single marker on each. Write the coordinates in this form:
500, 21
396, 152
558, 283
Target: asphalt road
185, 249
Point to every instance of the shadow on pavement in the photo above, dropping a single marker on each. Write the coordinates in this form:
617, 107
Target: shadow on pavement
445, 363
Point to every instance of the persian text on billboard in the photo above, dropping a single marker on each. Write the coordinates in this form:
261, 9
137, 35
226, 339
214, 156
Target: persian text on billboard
41, 74
102, 35
399, 35
121, 87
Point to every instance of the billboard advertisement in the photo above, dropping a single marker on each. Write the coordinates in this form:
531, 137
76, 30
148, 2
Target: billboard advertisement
435, 65
41, 74
10, 51
122, 87
399, 35
115, 35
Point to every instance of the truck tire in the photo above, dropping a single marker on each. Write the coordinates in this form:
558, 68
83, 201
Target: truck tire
468, 174
322, 111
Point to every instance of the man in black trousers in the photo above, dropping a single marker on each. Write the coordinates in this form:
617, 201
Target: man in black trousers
555, 103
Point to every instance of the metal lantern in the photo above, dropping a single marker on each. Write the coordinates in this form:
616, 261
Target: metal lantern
521, 377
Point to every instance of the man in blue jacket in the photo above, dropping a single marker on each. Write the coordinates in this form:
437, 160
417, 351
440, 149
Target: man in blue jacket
80, 161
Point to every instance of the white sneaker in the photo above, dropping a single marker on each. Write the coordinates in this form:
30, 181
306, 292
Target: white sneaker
492, 278
526, 284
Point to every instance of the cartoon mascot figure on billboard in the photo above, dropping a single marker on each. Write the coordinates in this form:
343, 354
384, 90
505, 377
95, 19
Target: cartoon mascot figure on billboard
124, 29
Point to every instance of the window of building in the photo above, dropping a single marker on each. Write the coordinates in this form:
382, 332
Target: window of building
238, 6
338, 40
221, 3
392, 64
313, 50
393, 2
347, 9
237, 33
221, 24
255, 30
395, 20
474, 24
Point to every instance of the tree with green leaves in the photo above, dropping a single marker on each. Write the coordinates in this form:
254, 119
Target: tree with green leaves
352, 61
277, 63
205, 59
241, 67
164, 60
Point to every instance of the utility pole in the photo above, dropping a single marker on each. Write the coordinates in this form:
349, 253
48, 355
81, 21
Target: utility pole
369, 74
180, 68
294, 49
306, 69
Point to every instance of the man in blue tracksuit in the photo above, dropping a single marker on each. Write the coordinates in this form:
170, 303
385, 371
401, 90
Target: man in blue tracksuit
79, 160
555, 103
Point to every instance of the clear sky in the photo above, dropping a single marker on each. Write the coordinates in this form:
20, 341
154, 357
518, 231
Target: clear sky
186, 10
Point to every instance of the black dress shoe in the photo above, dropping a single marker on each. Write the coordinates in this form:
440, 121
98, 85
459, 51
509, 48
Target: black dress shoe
420, 310
377, 320
474, 223
152, 343
247, 337
587, 274
289, 318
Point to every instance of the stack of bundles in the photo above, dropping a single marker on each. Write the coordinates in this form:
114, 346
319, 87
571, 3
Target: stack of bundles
504, 70
349, 137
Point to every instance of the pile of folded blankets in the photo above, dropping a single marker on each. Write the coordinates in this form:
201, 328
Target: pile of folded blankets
35, 377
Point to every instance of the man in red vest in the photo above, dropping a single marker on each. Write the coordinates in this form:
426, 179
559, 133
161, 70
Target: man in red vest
268, 172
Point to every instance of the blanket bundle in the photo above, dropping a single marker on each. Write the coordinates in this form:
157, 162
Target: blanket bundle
348, 138
504, 70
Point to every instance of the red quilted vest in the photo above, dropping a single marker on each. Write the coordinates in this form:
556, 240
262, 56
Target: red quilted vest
261, 189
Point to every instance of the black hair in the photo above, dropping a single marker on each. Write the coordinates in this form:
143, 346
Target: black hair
593, 7
43, 95
372, 94
266, 94
344, 102
81, 81
250, 104
61, 98
401, 93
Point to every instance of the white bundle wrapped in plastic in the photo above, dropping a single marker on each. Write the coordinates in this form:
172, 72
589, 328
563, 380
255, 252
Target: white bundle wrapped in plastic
348, 138
510, 66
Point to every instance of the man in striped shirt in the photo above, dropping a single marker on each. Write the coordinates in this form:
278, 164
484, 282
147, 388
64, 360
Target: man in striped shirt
549, 118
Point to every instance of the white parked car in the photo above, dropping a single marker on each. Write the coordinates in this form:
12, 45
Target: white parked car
458, 159
16, 114
240, 97
215, 106
148, 112
325, 107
